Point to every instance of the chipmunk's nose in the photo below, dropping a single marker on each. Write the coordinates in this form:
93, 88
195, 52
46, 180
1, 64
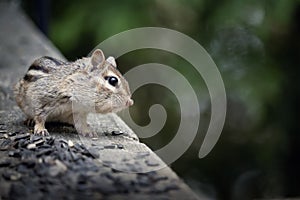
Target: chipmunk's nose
129, 102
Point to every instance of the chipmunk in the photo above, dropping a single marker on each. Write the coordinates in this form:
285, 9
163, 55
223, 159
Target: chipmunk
51, 86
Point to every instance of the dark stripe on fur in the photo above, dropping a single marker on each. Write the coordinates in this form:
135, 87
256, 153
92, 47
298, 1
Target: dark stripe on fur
30, 78
56, 61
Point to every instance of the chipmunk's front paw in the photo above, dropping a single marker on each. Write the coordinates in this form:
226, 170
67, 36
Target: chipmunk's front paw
40, 131
84, 129
90, 134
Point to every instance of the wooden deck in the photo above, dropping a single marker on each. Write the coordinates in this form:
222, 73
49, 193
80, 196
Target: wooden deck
65, 166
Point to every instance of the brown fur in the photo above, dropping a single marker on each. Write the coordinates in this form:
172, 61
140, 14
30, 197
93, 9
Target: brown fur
51, 87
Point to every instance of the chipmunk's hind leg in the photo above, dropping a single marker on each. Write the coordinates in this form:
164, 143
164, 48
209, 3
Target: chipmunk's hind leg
39, 127
29, 122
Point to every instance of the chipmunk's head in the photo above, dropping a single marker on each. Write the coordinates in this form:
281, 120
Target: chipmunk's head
112, 90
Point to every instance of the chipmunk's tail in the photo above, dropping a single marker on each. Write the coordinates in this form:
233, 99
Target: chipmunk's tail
19, 92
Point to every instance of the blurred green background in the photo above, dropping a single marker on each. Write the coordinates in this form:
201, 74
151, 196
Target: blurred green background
256, 46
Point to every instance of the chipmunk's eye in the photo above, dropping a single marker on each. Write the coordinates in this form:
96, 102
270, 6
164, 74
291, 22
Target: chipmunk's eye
111, 80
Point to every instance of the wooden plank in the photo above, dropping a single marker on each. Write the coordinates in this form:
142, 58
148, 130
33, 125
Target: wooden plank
126, 168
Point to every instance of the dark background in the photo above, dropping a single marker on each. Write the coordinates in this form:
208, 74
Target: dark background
256, 46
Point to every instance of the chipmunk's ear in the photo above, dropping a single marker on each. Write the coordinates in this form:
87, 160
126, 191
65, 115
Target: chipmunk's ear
97, 58
112, 61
